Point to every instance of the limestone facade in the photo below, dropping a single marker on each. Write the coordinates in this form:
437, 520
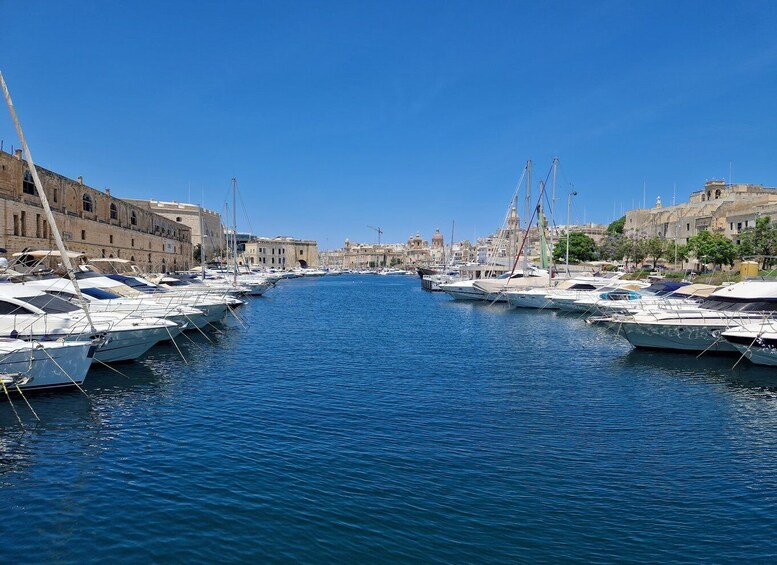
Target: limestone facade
90, 221
189, 215
720, 207
362, 256
280, 253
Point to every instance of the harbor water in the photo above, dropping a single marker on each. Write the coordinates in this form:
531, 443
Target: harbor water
361, 419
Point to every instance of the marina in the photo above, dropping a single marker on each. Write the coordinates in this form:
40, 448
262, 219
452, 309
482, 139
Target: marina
394, 283
402, 426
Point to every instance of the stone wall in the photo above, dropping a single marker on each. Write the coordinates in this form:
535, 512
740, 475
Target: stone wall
90, 221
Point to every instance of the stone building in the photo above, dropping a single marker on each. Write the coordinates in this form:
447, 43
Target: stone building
438, 247
362, 256
90, 221
418, 251
280, 253
189, 215
724, 208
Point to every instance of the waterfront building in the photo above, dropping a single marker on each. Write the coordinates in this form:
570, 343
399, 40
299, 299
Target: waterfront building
189, 215
91, 221
280, 252
721, 207
362, 256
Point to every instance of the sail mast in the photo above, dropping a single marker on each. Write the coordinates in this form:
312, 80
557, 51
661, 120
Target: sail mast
234, 230
45, 202
202, 244
528, 212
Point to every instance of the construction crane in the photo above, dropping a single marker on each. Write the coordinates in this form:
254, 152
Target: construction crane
380, 232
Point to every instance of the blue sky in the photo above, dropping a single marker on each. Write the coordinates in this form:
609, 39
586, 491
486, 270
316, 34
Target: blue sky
406, 115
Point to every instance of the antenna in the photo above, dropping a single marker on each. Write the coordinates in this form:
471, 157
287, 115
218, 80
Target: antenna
380, 232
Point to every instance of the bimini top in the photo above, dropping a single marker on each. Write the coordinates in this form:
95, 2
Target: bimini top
110, 260
43, 253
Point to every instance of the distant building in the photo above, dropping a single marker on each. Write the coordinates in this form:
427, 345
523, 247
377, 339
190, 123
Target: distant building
189, 215
91, 221
720, 207
280, 253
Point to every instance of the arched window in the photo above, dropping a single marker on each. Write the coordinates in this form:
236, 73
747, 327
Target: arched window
87, 203
114, 212
134, 218
178, 219
717, 194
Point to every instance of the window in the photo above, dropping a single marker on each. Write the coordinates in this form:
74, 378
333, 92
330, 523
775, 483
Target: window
23, 222
731, 226
87, 203
687, 227
50, 304
11, 308
133, 243
178, 219
54, 194
83, 234
134, 218
717, 194
111, 239
28, 184
300, 252
16, 224
739, 226
38, 226
114, 212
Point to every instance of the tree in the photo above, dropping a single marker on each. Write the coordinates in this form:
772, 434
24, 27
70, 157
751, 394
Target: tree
712, 248
617, 226
581, 248
760, 241
197, 252
613, 247
655, 247
637, 250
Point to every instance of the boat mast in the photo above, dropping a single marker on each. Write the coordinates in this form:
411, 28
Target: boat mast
202, 244
528, 212
45, 203
234, 232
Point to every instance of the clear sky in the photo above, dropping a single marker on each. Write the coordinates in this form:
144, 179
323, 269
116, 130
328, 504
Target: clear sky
337, 115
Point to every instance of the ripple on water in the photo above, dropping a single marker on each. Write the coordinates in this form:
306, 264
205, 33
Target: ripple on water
359, 418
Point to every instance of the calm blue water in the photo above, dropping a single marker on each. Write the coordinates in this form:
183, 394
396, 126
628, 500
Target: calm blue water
359, 419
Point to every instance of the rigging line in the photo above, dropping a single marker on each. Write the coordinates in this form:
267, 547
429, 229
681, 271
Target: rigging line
42, 348
44, 200
531, 221
107, 366
245, 211
18, 388
176, 345
11, 403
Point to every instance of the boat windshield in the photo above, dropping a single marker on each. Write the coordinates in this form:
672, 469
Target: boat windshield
730, 304
99, 293
49, 304
135, 284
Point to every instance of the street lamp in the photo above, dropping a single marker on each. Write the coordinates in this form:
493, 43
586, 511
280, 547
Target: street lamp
569, 207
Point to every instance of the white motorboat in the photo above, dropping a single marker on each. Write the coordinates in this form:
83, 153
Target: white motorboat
700, 327
104, 301
42, 365
29, 314
756, 341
